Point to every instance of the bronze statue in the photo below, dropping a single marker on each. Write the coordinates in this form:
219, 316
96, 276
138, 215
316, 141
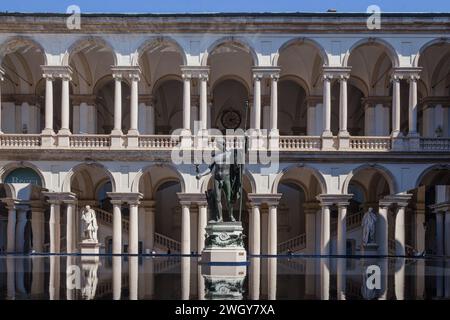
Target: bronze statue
227, 173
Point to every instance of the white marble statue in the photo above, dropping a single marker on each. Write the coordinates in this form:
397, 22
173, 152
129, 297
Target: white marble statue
368, 227
89, 224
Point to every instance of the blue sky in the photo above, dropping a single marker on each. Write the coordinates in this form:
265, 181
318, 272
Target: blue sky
171, 6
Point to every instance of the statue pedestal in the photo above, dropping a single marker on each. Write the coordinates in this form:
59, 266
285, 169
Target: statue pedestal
224, 281
370, 249
89, 251
224, 243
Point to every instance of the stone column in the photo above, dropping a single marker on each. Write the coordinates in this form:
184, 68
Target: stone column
273, 229
117, 226
257, 101
255, 230
20, 227
151, 119
439, 233
37, 226
65, 101
133, 232
274, 104
54, 226
395, 105
134, 78
254, 278
342, 229
447, 233
133, 275
185, 228
203, 102
400, 231
382, 229
325, 238
412, 119
185, 277
343, 105
2, 73
117, 277
186, 102
327, 105
202, 221
70, 226
48, 104
117, 130
11, 238
272, 277
399, 279
341, 276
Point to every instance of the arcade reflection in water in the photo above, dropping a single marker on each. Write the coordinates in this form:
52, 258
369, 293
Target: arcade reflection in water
171, 277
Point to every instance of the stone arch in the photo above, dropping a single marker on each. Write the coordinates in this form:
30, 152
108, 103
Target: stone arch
169, 77
143, 171
298, 80
230, 77
66, 185
393, 185
230, 39
11, 44
392, 53
316, 173
80, 44
426, 46
5, 170
428, 170
155, 41
299, 41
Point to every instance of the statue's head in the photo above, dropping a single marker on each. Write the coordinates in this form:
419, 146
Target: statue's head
88, 207
370, 209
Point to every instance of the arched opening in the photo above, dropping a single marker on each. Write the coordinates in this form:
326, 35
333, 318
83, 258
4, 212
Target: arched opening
231, 63
298, 210
92, 92
434, 89
368, 185
369, 89
104, 116
169, 106
21, 59
229, 105
161, 89
300, 87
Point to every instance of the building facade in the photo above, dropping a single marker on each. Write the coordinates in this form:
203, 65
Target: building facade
357, 118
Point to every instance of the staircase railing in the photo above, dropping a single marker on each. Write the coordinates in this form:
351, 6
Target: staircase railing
353, 221
294, 244
161, 241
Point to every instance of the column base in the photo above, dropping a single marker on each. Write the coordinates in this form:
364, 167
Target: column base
397, 142
344, 140
186, 139
274, 139
327, 140
133, 138
63, 138
413, 141
116, 139
48, 138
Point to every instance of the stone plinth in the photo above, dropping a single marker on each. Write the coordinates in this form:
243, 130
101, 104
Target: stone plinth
370, 249
224, 281
89, 251
224, 243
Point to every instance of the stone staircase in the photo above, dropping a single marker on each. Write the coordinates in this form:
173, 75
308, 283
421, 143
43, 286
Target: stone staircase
161, 241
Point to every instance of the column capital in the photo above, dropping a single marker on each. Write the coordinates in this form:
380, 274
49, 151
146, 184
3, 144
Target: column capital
148, 204
132, 198
337, 199
410, 73
400, 200
52, 72
271, 199
442, 207
189, 72
266, 72
341, 73
131, 72
60, 197
10, 202
190, 198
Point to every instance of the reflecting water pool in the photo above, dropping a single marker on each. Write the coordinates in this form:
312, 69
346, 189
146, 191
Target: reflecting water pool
173, 277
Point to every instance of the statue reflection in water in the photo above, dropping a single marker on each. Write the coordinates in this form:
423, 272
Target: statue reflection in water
90, 280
